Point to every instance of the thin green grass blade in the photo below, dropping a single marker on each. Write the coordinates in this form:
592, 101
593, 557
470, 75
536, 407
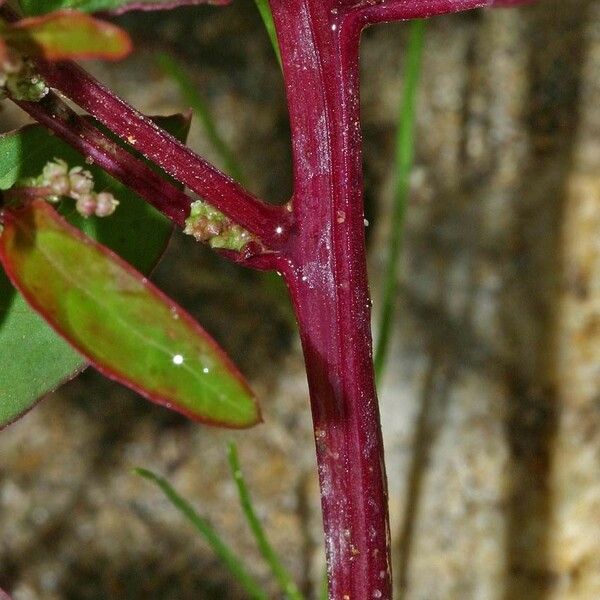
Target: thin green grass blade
220, 548
267, 17
405, 148
324, 588
284, 579
200, 108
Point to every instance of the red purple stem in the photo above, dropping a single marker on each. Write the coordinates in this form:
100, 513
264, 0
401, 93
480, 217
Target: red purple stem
327, 276
328, 283
166, 5
369, 12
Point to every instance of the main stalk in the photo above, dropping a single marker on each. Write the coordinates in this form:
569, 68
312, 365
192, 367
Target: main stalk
328, 282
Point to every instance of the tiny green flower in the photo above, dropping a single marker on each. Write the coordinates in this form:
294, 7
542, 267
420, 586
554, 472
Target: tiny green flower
209, 225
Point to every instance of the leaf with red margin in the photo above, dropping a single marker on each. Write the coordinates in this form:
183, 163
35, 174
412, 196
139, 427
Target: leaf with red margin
40, 359
38, 7
67, 34
4, 595
127, 328
149, 5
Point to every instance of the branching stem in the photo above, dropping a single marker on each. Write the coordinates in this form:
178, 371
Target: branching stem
328, 283
380, 11
320, 249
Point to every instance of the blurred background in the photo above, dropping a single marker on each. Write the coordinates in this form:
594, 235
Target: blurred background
491, 399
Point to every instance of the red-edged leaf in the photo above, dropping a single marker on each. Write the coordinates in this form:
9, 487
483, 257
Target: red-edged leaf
3, 594
40, 359
40, 7
68, 35
163, 5
126, 327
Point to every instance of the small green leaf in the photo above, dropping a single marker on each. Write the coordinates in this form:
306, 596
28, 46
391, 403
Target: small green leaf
67, 34
39, 7
40, 360
119, 321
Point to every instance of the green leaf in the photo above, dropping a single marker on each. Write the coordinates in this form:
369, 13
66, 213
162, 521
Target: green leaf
39, 7
67, 34
119, 321
34, 359
39, 359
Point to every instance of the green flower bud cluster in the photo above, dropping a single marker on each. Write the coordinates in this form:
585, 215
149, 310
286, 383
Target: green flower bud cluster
18, 78
209, 225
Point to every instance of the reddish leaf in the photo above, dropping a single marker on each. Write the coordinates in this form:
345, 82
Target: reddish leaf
163, 4
68, 34
40, 7
126, 327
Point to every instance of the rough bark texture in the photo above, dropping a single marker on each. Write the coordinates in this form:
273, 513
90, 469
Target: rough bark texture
490, 404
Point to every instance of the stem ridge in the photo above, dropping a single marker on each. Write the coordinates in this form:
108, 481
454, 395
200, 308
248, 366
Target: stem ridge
330, 292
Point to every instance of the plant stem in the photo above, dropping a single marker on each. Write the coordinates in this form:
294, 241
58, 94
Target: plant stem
284, 579
405, 143
324, 251
199, 107
328, 284
381, 11
223, 552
